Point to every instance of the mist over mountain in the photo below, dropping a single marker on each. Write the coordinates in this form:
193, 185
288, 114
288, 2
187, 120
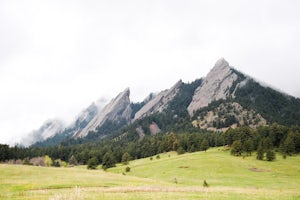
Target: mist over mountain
224, 98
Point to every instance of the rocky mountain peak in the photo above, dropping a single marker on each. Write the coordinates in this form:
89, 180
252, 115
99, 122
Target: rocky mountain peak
159, 102
49, 129
215, 86
118, 108
221, 64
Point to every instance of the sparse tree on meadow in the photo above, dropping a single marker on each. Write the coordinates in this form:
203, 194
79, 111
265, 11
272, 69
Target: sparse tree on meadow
126, 158
260, 153
108, 161
72, 160
248, 146
270, 155
236, 148
48, 161
92, 163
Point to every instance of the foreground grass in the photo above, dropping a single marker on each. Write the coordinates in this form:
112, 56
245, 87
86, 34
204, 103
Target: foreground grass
229, 178
30, 182
270, 180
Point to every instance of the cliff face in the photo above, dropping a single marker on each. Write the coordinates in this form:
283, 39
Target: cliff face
216, 85
49, 129
118, 108
159, 102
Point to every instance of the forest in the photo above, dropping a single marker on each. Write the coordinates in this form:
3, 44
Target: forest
242, 141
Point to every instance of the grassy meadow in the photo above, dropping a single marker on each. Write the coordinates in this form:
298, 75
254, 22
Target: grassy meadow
171, 176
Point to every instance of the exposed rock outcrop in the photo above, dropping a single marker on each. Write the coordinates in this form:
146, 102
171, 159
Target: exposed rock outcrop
83, 119
154, 129
226, 115
215, 86
140, 132
119, 108
159, 102
49, 129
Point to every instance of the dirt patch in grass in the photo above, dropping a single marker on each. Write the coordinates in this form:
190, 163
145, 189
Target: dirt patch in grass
184, 167
154, 189
254, 169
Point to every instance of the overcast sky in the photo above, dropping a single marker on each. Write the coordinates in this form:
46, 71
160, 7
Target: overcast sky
56, 57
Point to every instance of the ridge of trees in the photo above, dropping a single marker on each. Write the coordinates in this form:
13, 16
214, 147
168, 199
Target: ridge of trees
243, 142
274, 106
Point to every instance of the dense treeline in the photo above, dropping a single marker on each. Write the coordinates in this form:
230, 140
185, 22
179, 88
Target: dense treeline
243, 141
271, 104
263, 140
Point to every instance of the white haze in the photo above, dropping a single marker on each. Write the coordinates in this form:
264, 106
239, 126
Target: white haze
57, 57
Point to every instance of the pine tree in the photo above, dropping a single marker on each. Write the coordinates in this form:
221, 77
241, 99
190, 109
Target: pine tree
92, 163
108, 161
260, 153
288, 147
270, 155
126, 158
72, 161
236, 148
204, 145
248, 146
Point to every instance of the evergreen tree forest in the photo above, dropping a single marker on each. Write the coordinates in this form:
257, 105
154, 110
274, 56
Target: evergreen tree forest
243, 142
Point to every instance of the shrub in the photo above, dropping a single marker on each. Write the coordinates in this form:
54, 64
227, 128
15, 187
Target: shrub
236, 148
126, 158
180, 150
92, 163
73, 161
260, 153
27, 162
48, 161
56, 163
205, 184
127, 169
270, 155
108, 161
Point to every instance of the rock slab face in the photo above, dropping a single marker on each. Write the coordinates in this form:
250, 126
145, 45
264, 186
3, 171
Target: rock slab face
49, 129
83, 119
118, 108
159, 102
215, 86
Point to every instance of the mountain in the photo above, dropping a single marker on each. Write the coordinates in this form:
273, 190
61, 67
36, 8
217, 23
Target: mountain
215, 86
224, 98
118, 109
159, 102
246, 101
83, 119
49, 129
80, 122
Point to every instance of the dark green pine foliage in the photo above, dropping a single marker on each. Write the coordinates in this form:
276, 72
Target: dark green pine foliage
108, 161
108, 128
271, 104
184, 97
92, 163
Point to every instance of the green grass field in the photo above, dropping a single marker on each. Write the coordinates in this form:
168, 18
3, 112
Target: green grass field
228, 177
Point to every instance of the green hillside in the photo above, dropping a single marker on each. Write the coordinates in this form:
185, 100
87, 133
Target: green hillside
171, 176
228, 176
